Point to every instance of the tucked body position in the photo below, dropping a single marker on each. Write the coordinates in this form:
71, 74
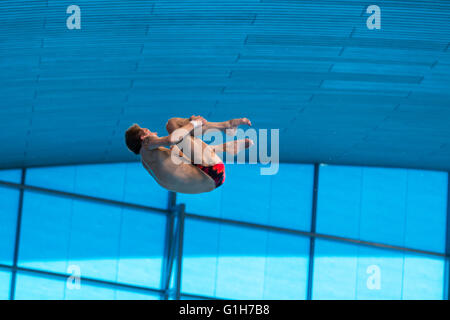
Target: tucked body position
196, 168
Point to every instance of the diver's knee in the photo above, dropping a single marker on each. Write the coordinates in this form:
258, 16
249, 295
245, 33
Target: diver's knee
170, 127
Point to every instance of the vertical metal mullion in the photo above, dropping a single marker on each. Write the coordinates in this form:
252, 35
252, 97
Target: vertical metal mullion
313, 230
447, 245
167, 255
180, 239
12, 289
172, 200
168, 242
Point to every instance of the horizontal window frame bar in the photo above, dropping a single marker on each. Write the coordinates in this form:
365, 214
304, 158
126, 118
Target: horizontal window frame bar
313, 235
78, 196
199, 296
115, 285
104, 283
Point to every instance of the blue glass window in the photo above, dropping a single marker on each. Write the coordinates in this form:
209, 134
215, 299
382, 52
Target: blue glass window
347, 271
141, 248
234, 262
423, 277
32, 287
9, 203
14, 175
401, 207
59, 232
394, 206
284, 199
5, 284
127, 182
45, 232
134, 295
90, 291
56, 178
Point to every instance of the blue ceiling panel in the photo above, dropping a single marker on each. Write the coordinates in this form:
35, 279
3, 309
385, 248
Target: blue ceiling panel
338, 91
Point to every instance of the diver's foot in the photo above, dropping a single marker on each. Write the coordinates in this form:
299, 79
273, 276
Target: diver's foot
236, 123
234, 147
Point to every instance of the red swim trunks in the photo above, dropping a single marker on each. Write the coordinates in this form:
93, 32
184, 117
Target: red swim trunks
216, 172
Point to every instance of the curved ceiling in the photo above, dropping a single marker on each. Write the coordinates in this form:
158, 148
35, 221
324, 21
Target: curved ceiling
338, 92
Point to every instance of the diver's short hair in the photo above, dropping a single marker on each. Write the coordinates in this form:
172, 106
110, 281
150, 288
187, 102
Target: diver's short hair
133, 138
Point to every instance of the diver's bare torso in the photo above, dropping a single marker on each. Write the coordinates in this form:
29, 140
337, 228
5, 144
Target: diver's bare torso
183, 177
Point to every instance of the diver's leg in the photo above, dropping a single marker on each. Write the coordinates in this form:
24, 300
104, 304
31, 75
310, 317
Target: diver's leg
198, 151
233, 147
229, 126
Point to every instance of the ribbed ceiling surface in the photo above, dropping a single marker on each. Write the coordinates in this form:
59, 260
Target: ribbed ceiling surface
339, 92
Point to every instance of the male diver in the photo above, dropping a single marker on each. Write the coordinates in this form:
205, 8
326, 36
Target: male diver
200, 169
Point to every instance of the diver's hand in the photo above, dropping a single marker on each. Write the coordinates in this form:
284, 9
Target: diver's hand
199, 118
